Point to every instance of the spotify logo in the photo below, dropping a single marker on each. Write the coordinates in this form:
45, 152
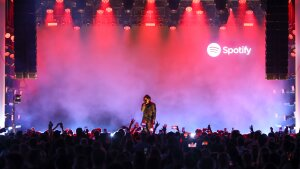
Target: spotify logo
214, 49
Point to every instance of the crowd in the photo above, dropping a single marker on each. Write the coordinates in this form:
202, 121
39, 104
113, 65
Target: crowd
135, 147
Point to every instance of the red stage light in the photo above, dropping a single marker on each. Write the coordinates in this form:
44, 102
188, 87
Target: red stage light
149, 12
151, 1
293, 54
49, 11
100, 11
172, 28
249, 12
67, 10
7, 35
242, 1
52, 24
76, 28
108, 9
189, 9
199, 12
105, 1
59, 1
248, 24
196, 1
223, 28
150, 24
126, 28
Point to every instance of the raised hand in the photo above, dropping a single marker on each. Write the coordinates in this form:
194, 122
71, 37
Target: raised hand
132, 121
251, 129
156, 124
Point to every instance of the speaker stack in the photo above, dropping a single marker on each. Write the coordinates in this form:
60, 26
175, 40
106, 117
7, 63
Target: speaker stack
277, 39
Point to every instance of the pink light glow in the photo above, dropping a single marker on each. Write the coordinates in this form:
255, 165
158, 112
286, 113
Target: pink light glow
100, 11
149, 24
172, 28
108, 9
249, 12
189, 9
248, 24
49, 11
7, 35
196, 1
105, 1
76, 28
52, 24
199, 12
67, 10
126, 28
59, 1
223, 28
151, 1
149, 12
242, 1
293, 54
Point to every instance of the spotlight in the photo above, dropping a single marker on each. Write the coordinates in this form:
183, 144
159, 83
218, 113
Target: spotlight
127, 27
100, 11
67, 10
223, 28
7, 35
49, 11
105, 1
50, 24
150, 24
188, 9
196, 1
172, 28
249, 12
192, 135
76, 28
149, 12
59, 1
108, 9
248, 24
199, 12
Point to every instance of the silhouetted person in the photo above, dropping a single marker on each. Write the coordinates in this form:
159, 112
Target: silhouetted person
149, 112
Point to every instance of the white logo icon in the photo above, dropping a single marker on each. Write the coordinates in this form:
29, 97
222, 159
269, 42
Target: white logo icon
213, 49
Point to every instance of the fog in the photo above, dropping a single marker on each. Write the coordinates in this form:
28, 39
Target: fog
97, 77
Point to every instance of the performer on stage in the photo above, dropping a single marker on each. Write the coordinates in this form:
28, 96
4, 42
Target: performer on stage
149, 112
